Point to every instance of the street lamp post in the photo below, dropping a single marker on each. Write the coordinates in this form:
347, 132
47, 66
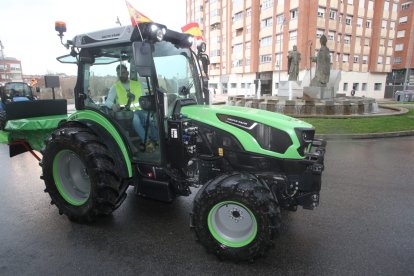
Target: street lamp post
280, 48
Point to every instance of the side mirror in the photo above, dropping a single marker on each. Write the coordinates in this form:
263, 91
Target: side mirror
143, 58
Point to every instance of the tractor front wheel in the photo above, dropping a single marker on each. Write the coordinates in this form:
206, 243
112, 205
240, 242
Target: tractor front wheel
80, 175
236, 217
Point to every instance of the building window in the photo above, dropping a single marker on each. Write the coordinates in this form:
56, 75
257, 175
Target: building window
332, 14
248, 12
386, 5
380, 60
214, 13
238, 16
397, 60
364, 59
247, 61
279, 19
279, 38
293, 35
319, 33
394, 7
392, 25
238, 48
388, 60
400, 33
345, 58
370, 5
359, 22
294, 14
384, 24
405, 6
338, 38
233, 85
237, 63
266, 41
265, 59
366, 41
390, 41
348, 20
356, 59
278, 57
248, 45
368, 23
345, 86
267, 4
364, 86
248, 29
347, 39
403, 20
361, 4
377, 86
399, 47
355, 86
382, 42
331, 35
321, 12
267, 22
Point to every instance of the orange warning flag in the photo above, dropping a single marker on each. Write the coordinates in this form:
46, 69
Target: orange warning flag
136, 16
193, 29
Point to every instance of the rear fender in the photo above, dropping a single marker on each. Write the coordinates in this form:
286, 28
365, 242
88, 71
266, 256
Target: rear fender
109, 135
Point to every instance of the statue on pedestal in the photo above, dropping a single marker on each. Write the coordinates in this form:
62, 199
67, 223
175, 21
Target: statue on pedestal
293, 64
323, 65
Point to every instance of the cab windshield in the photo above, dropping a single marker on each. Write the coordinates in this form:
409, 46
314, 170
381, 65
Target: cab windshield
112, 85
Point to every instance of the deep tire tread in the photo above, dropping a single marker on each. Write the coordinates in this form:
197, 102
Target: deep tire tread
250, 191
107, 191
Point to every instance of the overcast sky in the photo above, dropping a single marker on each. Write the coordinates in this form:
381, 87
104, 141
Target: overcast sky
27, 27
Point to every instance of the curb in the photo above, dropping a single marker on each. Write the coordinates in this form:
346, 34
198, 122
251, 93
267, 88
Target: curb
365, 136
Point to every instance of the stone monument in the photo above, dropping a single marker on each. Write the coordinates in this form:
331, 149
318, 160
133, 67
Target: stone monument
293, 64
319, 88
293, 87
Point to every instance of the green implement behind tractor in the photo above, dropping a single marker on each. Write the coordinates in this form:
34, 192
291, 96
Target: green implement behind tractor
249, 163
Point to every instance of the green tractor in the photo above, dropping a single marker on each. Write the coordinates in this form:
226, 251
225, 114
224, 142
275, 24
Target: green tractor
249, 163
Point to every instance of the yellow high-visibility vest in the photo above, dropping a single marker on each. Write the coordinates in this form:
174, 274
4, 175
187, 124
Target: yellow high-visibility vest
121, 93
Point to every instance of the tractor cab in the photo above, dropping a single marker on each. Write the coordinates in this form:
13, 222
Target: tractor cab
157, 62
15, 92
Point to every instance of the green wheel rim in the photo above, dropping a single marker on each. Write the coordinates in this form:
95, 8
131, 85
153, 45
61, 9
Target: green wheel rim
232, 224
71, 177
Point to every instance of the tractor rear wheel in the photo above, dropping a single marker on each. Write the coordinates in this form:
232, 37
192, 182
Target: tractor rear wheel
2, 120
236, 217
80, 175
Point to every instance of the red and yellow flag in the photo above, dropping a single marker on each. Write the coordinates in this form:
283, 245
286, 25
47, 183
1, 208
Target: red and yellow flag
136, 16
193, 29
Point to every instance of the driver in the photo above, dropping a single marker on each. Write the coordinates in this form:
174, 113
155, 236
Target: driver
118, 95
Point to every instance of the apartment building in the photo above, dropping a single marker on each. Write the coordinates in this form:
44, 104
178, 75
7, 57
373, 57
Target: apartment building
248, 41
403, 63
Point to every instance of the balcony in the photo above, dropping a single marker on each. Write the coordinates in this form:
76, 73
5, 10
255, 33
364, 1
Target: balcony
215, 19
237, 39
267, 31
237, 25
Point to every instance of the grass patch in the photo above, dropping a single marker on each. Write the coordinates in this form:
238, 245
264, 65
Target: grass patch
363, 125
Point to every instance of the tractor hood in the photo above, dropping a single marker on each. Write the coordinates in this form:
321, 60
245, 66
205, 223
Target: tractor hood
240, 121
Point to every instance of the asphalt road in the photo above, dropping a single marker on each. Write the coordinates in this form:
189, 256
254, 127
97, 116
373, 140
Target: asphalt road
363, 226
